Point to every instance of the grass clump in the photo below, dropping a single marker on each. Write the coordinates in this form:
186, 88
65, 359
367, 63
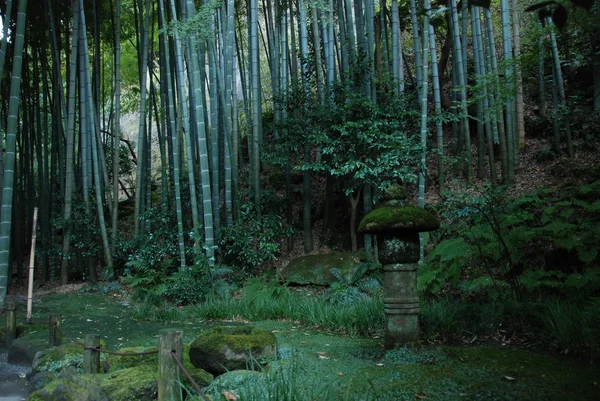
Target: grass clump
267, 301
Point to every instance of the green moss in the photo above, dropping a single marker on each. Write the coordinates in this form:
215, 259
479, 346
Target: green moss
474, 373
239, 339
200, 376
405, 218
117, 362
395, 192
56, 358
24, 329
225, 348
71, 388
139, 383
316, 269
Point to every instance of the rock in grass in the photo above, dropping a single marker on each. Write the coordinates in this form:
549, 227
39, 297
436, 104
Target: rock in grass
316, 269
225, 348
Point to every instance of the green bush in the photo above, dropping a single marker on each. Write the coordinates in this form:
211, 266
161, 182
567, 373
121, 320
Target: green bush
540, 244
254, 240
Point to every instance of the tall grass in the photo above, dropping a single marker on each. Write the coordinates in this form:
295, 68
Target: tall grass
363, 317
552, 322
574, 327
285, 382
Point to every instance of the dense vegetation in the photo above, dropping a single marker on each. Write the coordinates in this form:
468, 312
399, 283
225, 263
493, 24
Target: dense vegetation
263, 129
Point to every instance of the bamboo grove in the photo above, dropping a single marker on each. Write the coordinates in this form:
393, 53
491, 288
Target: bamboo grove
204, 76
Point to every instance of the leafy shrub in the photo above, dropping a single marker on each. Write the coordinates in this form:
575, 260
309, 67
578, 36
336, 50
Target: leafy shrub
501, 247
153, 270
254, 240
364, 283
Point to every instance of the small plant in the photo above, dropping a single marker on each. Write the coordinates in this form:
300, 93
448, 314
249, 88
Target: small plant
364, 283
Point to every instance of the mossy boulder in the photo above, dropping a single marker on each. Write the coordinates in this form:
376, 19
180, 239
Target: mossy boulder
69, 387
23, 349
200, 376
225, 348
398, 219
55, 359
316, 269
40, 379
139, 383
118, 362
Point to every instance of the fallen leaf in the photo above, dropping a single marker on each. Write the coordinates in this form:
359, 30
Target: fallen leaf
323, 357
420, 396
322, 353
229, 396
509, 378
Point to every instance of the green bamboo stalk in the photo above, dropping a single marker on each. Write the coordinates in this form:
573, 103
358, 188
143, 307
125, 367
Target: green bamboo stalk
9, 159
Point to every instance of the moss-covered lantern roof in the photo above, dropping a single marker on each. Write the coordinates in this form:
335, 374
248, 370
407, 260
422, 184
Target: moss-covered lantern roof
403, 218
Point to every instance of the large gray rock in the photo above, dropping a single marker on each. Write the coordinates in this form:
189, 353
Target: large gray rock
316, 269
225, 348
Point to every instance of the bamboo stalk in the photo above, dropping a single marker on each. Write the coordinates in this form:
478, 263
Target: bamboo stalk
31, 265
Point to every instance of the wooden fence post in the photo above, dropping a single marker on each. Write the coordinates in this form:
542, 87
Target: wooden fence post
55, 333
168, 371
91, 357
11, 325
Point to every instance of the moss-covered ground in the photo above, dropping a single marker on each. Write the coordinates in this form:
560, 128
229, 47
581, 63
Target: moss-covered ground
356, 368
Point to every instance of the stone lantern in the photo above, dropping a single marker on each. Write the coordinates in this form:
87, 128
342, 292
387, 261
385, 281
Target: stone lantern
397, 227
